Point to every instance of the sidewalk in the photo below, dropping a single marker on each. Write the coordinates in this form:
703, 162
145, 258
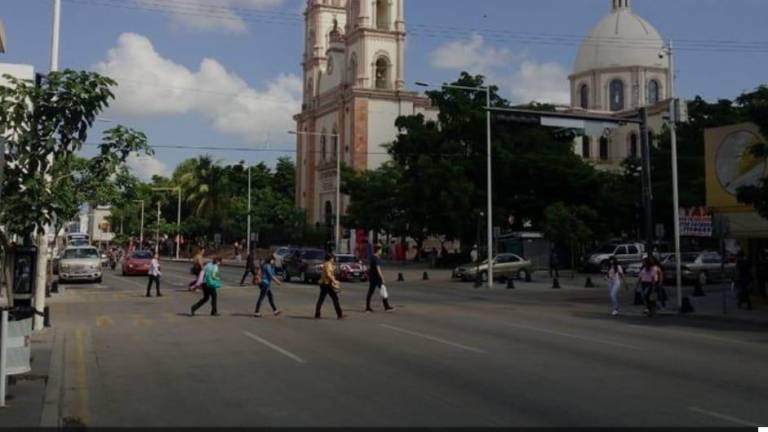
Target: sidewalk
24, 407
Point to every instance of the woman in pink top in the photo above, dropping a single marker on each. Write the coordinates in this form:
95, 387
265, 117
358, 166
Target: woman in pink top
648, 278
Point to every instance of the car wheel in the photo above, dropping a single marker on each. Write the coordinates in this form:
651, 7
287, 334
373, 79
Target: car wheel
703, 278
523, 275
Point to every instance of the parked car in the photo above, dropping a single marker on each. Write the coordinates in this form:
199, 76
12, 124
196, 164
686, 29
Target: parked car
505, 266
704, 267
81, 263
304, 264
279, 255
350, 269
625, 254
137, 263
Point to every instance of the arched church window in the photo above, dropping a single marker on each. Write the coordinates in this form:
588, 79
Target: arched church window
328, 213
323, 146
654, 92
334, 144
634, 149
382, 14
329, 67
584, 96
603, 149
382, 73
616, 92
585, 147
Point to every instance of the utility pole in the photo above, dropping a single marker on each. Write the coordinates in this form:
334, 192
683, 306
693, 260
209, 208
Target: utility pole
157, 231
178, 228
675, 186
55, 35
490, 185
646, 180
141, 229
248, 229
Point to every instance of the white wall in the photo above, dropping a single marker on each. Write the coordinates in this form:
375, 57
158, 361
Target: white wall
16, 70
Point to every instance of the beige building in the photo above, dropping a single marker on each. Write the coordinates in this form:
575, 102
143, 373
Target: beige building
620, 67
354, 90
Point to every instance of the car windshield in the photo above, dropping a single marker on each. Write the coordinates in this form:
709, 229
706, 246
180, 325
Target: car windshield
346, 259
81, 253
142, 255
314, 255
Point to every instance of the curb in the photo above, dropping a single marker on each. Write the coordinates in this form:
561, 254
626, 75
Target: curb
53, 389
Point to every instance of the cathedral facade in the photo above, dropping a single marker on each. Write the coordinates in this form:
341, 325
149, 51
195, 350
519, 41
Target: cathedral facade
354, 90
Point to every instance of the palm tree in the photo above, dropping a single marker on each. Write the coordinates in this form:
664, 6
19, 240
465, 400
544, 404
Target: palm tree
205, 183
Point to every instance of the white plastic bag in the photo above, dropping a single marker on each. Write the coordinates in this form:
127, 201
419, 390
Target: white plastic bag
383, 292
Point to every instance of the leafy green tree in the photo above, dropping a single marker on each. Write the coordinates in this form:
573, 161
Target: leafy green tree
569, 225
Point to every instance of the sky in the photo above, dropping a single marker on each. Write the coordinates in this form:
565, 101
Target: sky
227, 73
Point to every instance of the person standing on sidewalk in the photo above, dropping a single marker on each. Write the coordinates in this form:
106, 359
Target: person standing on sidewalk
250, 267
267, 276
661, 291
744, 272
329, 286
211, 285
376, 281
615, 279
647, 281
154, 276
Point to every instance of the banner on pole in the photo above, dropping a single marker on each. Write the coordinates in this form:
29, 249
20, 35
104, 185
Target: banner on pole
695, 222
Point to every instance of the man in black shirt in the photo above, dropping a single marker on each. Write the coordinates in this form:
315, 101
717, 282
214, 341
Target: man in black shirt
376, 280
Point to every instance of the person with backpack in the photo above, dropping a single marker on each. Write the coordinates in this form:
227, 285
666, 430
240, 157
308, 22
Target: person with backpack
267, 276
329, 286
251, 268
211, 285
615, 279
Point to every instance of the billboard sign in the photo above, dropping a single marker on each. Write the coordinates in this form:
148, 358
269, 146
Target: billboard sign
695, 222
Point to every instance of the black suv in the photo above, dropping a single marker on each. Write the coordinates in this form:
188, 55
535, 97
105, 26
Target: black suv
304, 264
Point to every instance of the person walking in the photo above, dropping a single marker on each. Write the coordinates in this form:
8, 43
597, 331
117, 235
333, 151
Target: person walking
154, 276
554, 263
473, 254
211, 284
647, 281
744, 272
615, 279
251, 268
661, 291
267, 276
329, 287
376, 281
197, 269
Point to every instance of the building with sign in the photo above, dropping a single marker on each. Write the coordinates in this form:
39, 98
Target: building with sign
99, 227
620, 67
354, 90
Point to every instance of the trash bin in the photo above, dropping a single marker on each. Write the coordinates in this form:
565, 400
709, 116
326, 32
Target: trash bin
19, 341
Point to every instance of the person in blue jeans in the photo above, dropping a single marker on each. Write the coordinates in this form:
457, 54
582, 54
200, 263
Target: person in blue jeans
267, 276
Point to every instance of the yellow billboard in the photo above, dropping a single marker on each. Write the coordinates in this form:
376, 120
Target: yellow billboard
730, 165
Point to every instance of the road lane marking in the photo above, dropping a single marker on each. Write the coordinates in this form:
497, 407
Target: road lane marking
274, 347
434, 339
680, 332
722, 416
104, 321
569, 335
140, 321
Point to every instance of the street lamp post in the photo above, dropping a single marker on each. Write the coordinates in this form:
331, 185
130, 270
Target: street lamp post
178, 217
141, 229
248, 230
489, 210
157, 231
337, 229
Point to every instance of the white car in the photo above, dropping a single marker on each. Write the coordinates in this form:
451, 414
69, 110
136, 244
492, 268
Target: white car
81, 263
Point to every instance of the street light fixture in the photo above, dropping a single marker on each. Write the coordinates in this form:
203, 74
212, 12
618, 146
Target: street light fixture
489, 212
178, 217
337, 229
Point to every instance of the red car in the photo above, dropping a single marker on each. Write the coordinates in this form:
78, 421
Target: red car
350, 269
137, 263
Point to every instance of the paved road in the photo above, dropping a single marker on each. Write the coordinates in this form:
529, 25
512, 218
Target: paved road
450, 355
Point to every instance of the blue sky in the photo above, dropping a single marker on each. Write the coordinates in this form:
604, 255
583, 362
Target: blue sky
192, 79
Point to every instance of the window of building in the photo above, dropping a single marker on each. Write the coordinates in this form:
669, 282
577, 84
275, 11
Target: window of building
328, 213
323, 146
616, 92
585, 147
329, 67
382, 73
335, 144
584, 96
634, 149
353, 69
654, 92
603, 148
382, 14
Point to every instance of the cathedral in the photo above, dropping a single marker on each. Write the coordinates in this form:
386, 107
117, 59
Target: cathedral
354, 90
620, 67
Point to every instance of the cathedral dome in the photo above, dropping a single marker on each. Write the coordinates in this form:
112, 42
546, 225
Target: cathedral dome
620, 39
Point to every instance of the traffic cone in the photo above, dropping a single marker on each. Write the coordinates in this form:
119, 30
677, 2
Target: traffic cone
555, 283
698, 290
687, 306
425, 276
510, 283
400, 277
589, 283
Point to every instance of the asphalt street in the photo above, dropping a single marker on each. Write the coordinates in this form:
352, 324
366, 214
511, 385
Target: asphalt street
450, 355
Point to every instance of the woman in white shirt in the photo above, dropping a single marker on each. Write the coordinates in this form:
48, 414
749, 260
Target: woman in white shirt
615, 279
154, 275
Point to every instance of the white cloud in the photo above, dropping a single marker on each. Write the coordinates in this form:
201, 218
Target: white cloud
207, 15
519, 77
151, 85
144, 166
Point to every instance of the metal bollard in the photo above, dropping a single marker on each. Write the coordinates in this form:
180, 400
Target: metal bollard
698, 290
425, 276
3, 355
47, 317
510, 283
589, 283
555, 283
400, 277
